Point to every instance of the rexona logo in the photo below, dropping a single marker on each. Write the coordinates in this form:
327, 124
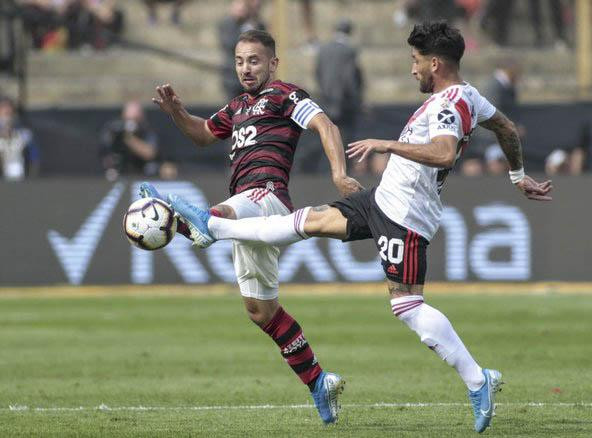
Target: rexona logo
502, 227
76, 252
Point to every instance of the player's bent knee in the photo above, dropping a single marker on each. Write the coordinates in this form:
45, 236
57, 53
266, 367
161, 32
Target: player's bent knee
325, 221
261, 312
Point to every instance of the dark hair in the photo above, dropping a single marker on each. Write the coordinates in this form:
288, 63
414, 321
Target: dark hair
259, 36
438, 38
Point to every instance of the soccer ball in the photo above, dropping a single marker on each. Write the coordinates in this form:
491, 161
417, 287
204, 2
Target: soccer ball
149, 224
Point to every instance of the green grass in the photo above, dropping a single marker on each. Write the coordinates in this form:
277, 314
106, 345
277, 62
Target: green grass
173, 352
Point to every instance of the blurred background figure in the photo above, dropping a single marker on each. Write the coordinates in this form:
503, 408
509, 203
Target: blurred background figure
61, 24
340, 81
558, 22
308, 19
176, 6
129, 145
45, 20
502, 91
471, 164
558, 163
495, 161
243, 15
502, 88
19, 155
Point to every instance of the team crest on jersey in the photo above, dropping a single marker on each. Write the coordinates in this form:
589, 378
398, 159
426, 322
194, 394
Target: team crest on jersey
445, 103
259, 108
446, 117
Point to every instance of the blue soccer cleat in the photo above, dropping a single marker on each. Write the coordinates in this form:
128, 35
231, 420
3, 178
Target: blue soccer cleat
147, 190
195, 218
483, 400
325, 395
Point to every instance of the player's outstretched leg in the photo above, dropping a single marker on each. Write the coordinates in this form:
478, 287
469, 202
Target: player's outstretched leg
195, 218
276, 230
147, 190
436, 331
483, 400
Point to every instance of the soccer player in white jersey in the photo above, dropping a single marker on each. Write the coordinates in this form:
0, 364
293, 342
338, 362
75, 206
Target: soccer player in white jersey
403, 212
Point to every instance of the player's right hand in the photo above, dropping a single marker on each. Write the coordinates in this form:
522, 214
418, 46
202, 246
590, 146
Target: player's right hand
167, 99
535, 190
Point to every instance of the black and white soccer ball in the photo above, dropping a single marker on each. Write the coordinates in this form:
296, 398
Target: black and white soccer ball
150, 224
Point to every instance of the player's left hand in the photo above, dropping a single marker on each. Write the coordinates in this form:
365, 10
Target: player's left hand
535, 190
347, 185
362, 148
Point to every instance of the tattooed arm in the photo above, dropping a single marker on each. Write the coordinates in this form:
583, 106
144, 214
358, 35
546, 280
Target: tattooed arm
507, 136
509, 140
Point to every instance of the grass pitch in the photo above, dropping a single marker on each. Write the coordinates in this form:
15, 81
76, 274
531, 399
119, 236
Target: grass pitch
195, 366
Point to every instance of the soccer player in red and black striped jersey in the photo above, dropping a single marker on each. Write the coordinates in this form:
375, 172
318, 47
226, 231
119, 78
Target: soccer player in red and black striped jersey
265, 124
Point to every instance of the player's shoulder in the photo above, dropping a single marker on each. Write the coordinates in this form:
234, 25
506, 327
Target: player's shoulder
284, 89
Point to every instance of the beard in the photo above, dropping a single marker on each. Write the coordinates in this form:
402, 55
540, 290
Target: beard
426, 84
257, 86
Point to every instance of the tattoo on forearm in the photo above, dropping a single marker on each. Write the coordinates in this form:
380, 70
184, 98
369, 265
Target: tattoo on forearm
321, 208
507, 136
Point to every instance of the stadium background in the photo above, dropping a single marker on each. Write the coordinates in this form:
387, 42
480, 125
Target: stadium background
61, 235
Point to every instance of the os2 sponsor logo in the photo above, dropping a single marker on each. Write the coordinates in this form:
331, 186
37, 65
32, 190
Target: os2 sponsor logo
242, 138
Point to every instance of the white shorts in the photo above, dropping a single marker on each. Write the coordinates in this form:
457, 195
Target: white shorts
256, 264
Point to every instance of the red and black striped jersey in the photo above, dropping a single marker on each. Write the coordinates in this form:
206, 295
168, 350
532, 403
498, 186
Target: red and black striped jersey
265, 130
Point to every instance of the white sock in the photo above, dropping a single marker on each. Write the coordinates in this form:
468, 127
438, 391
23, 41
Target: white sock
437, 333
274, 230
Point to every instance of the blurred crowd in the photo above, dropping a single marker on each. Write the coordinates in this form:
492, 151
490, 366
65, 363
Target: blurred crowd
128, 145
71, 24
549, 20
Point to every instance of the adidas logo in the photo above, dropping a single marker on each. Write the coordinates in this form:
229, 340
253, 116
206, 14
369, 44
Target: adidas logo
392, 269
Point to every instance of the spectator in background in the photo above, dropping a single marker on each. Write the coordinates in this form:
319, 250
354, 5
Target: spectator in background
581, 156
175, 13
558, 163
19, 155
59, 24
495, 160
557, 19
44, 20
502, 91
129, 145
340, 81
496, 20
309, 27
93, 23
243, 15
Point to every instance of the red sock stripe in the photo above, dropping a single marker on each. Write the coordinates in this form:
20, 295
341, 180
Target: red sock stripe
406, 258
415, 264
411, 259
287, 334
279, 324
416, 257
400, 309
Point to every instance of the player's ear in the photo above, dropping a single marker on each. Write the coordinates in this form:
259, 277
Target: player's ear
273, 64
434, 63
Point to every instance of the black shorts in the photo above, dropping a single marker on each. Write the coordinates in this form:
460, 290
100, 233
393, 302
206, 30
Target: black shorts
402, 251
